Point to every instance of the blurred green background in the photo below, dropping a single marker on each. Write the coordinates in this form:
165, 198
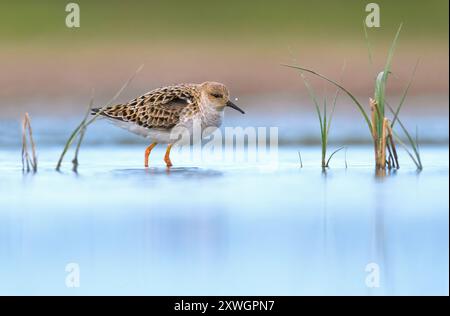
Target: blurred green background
145, 21
240, 43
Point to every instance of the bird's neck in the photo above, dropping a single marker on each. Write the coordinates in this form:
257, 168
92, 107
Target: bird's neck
211, 116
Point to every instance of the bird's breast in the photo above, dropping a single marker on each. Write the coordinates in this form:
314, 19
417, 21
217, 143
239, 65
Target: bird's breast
202, 119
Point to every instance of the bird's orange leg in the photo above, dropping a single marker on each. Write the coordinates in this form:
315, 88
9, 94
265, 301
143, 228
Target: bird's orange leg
147, 153
167, 156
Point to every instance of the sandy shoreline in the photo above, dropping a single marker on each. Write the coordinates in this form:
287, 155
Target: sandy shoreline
35, 73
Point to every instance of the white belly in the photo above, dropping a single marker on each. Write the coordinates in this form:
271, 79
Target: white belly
156, 135
205, 127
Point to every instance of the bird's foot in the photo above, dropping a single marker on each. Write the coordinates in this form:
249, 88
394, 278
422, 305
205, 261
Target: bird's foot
168, 163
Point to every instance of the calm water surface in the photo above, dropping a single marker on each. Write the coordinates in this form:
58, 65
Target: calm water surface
214, 229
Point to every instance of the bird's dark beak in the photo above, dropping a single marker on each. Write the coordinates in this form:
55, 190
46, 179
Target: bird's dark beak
234, 106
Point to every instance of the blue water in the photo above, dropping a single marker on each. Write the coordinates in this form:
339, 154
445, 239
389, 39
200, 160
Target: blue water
298, 127
204, 228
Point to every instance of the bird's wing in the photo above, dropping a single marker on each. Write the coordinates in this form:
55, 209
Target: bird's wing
159, 108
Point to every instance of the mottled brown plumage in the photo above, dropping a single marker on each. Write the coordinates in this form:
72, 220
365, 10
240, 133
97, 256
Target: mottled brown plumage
159, 108
157, 113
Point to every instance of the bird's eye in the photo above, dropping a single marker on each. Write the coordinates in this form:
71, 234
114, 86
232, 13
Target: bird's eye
216, 95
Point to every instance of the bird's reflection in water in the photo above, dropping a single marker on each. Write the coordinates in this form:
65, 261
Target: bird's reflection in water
176, 172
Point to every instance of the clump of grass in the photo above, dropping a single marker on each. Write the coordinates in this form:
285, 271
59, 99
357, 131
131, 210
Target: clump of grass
380, 127
80, 130
29, 162
324, 120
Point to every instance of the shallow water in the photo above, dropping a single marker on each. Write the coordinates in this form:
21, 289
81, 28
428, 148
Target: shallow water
300, 126
206, 228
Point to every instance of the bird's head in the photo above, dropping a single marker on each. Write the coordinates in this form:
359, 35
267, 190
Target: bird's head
217, 96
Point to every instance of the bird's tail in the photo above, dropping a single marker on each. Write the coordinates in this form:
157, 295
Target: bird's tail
100, 112
108, 112
95, 111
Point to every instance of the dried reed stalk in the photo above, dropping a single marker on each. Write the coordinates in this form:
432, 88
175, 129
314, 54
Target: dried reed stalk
28, 163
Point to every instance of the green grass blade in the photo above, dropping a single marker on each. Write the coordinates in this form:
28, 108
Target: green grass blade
417, 139
332, 110
417, 163
411, 141
68, 144
325, 130
357, 103
322, 119
314, 99
82, 132
331, 156
381, 81
387, 67
369, 47
402, 100
336, 95
380, 98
